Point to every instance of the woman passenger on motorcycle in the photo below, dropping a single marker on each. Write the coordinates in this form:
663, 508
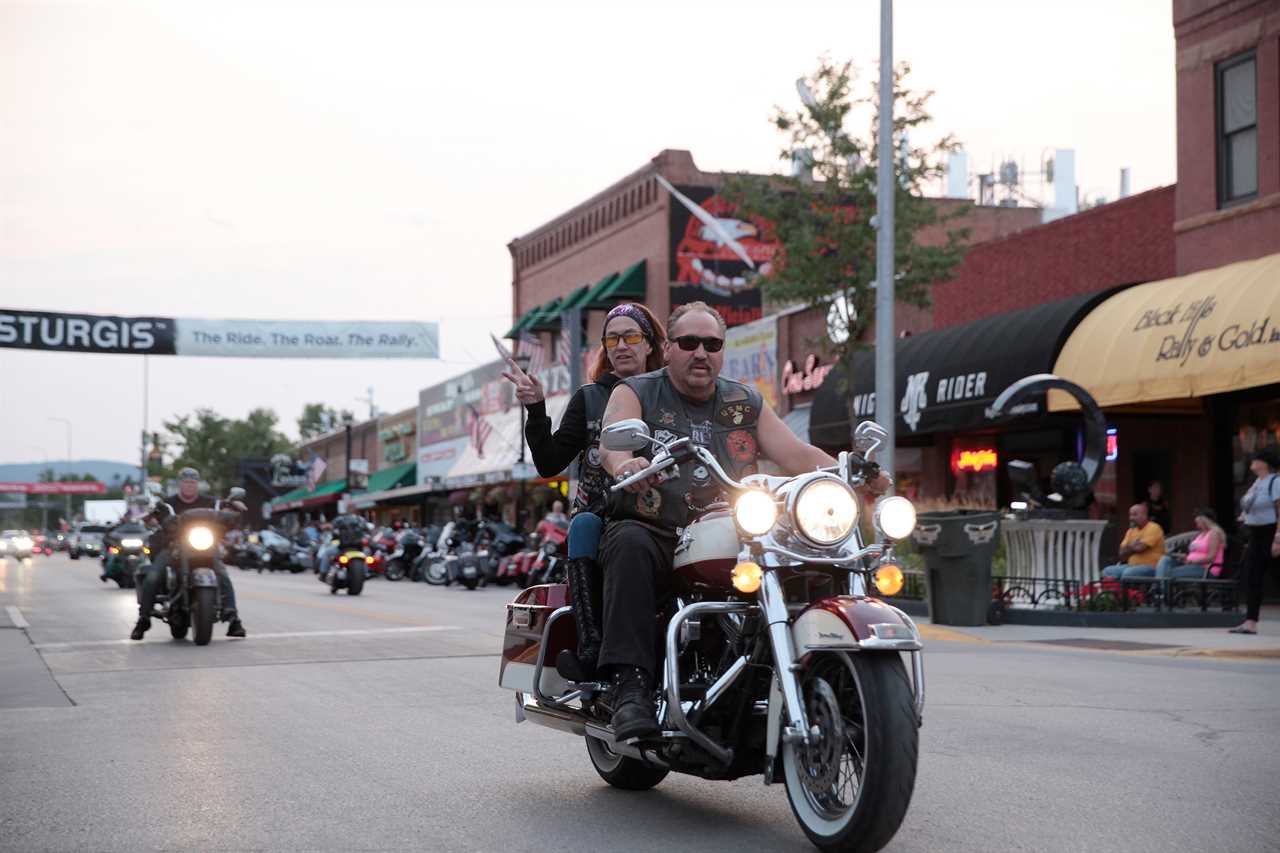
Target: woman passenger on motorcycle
631, 344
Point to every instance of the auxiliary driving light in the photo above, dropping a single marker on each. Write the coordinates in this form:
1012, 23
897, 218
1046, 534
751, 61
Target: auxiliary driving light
895, 517
888, 579
755, 512
747, 577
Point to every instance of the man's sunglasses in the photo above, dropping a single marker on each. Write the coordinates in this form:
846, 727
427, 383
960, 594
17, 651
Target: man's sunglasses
631, 339
689, 343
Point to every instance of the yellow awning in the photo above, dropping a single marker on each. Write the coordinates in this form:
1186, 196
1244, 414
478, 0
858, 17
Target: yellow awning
1198, 334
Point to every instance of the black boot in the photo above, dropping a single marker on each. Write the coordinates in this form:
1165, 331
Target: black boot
144, 625
235, 629
633, 710
582, 575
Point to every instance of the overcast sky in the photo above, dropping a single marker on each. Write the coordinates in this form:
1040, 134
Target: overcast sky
372, 160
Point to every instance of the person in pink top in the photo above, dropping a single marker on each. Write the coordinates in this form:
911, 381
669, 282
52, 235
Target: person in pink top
1206, 552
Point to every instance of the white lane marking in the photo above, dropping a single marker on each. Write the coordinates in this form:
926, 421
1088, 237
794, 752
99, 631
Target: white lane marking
19, 621
353, 632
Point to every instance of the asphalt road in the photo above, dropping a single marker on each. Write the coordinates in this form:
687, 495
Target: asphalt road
375, 723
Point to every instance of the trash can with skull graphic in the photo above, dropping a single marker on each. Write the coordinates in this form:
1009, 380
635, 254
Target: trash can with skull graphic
958, 546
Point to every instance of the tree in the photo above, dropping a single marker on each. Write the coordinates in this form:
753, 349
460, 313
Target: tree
317, 419
823, 222
213, 445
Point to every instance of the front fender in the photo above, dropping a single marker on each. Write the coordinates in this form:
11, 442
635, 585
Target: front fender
203, 576
853, 623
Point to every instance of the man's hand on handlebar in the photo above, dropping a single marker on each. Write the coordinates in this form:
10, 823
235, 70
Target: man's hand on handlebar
631, 466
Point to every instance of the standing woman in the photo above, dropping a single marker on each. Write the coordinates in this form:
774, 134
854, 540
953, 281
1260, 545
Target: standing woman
1260, 508
631, 344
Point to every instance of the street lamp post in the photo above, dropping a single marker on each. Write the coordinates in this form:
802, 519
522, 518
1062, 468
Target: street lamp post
886, 395
44, 499
67, 424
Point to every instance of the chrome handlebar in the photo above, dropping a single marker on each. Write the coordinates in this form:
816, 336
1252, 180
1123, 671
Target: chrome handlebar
664, 459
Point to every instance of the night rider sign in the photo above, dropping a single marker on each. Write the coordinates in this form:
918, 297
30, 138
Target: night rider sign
95, 333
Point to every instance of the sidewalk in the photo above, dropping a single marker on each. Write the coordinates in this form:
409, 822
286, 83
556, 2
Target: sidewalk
1197, 642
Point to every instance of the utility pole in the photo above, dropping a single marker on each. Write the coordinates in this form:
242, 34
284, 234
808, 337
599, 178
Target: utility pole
886, 394
67, 423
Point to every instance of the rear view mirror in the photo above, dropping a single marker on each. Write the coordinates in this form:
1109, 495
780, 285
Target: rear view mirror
868, 437
236, 494
630, 434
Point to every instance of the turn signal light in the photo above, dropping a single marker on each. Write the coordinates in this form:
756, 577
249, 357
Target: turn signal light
747, 576
889, 579
342, 560
114, 550
368, 561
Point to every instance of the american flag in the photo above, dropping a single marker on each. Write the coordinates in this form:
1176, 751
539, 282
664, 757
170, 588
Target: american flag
479, 429
315, 471
563, 356
532, 347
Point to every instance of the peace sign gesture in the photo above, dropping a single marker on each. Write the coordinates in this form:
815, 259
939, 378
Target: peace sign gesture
528, 388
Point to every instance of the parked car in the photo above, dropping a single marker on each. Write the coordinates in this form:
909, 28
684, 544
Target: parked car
86, 541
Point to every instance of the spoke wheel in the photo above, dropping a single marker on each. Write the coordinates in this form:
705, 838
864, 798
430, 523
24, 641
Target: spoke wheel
850, 789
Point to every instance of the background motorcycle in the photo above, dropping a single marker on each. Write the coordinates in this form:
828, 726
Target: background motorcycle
548, 563
777, 661
409, 546
126, 560
348, 571
190, 597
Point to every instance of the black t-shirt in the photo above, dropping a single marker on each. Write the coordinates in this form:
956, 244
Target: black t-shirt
180, 506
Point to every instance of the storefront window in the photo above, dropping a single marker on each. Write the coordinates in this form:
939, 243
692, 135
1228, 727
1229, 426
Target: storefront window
1257, 426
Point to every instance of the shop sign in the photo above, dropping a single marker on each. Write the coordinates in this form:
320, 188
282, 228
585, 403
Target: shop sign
973, 460
810, 378
393, 453
704, 268
751, 357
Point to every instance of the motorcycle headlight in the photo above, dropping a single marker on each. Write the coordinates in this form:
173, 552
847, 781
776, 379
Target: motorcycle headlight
131, 543
826, 511
755, 512
200, 538
895, 517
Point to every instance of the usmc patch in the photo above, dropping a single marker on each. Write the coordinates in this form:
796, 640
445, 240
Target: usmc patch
735, 414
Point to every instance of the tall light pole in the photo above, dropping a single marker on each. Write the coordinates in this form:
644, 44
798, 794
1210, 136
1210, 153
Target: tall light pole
44, 499
67, 423
522, 360
886, 395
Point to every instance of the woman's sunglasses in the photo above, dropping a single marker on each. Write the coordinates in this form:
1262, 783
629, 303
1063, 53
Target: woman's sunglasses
631, 339
689, 343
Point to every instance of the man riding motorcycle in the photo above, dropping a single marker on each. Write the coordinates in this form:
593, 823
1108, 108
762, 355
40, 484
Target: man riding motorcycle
188, 497
686, 398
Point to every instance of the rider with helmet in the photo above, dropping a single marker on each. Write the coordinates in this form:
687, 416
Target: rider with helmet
187, 497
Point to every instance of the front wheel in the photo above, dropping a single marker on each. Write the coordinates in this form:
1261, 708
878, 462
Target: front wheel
437, 574
395, 570
202, 613
621, 771
850, 791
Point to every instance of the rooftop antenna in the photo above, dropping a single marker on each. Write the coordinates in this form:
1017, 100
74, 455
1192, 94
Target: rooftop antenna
373, 410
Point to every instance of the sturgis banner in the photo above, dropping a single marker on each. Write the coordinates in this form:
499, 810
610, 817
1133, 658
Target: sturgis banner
99, 333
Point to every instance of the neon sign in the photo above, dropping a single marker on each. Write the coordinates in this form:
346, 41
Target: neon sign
974, 461
1113, 444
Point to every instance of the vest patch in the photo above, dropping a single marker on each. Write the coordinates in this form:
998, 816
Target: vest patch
735, 414
742, 446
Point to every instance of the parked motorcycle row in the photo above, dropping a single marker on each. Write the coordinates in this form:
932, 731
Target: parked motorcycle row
469, 553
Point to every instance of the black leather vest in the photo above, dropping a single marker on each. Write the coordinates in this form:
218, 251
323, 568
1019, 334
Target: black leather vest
725, 424
593, 481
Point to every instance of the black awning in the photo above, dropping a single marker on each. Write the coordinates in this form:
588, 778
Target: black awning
946, 380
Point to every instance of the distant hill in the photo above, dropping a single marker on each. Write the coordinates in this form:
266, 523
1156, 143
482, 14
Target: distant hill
102, 470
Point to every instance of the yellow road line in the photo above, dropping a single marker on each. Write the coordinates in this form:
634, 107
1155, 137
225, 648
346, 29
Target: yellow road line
937, 632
